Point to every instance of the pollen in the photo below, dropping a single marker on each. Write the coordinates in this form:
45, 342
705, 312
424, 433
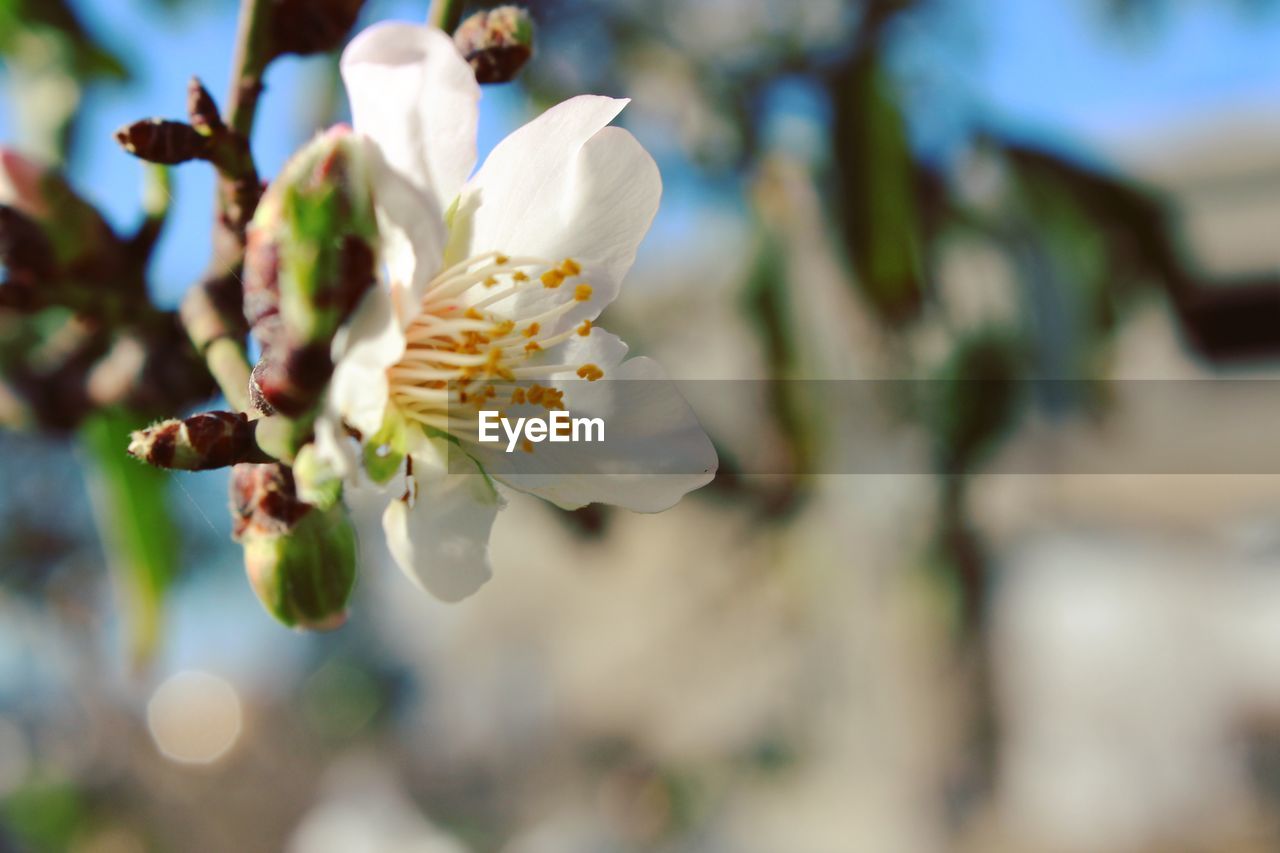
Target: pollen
570, 267
502, 260
533, 329
535, 393
585, 328
520, 275
517, 397
552, 279
532, 347
491, 282
473, 314
582, 292
590, 372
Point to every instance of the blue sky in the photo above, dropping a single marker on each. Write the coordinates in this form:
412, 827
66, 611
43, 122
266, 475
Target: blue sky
1042, 66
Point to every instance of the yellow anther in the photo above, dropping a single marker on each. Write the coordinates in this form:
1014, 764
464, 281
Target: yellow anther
532, 347
552, 279
582, 292
590, 372
535, 393
490, 282
519, 275
473, 314
570, 267
501, 260
526, 446
517, 397
585, 328
533, 329
504, 328
553, 399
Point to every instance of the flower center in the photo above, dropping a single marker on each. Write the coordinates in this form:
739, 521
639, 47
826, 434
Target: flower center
460, 354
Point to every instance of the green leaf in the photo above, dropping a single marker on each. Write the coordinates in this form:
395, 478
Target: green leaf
877, 188
131, 505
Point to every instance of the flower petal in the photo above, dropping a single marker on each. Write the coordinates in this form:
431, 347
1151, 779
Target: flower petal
655, 450
441, 539
562, 186
369, 343
414, 95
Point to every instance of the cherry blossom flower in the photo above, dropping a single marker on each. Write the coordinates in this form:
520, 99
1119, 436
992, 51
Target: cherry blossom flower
492, 285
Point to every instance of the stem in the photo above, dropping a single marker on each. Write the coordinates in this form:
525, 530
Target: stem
212, 314
445, 14
251, 57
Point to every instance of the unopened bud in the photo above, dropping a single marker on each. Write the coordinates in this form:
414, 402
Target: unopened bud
310, 257
72, 226
300, 560
25, 251
311, 26
497, 43
202, 111
157, 140
198, 443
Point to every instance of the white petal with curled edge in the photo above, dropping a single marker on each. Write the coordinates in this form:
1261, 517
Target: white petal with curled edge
654, 452
562, 186
416, 98
370, 342
441, 538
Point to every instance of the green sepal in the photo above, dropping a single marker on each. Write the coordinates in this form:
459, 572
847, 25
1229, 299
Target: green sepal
385, 450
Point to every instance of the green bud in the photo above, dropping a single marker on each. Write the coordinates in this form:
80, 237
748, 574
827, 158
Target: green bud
310, 258
317, 483
300, 559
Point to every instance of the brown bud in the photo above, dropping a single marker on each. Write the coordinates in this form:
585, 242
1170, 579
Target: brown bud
289, 379
311, 26
202, 110
198, 443
24, 249
497, 43
167, 142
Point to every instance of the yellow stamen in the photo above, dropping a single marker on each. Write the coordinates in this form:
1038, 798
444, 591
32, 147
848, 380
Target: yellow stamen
590, 372
582, 292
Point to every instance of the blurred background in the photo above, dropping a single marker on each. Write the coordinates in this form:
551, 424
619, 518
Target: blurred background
989, 197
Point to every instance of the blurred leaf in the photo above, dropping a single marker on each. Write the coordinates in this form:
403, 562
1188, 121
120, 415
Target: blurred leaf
876, 187
43, 817
131, 504
974, 401
83, 56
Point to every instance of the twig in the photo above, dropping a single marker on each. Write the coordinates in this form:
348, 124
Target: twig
212, 311
445, 14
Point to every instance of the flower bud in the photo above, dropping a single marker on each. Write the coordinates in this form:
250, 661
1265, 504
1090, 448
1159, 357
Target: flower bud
497, 43
160, 141
72, 226
202, 111
311, 26
198, 443
310, 257
25, 251
300, 559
